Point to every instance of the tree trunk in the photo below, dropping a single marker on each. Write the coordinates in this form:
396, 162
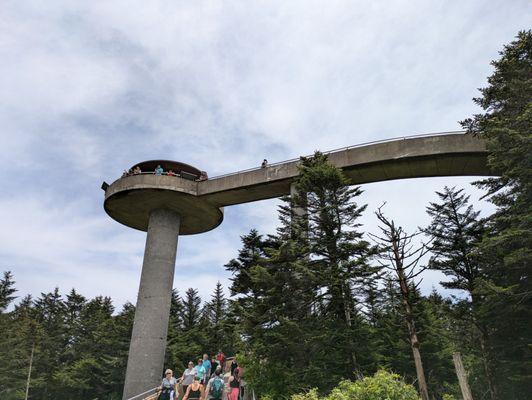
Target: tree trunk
409, 318
487, 367
347, 311
462, 377
29, 371
483, 339
414, 343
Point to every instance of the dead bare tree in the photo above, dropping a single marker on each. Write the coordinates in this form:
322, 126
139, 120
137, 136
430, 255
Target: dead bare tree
401, 257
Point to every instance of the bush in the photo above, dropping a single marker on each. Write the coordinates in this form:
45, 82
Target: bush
382, 385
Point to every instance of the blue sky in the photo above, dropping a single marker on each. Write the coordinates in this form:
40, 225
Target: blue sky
90, 88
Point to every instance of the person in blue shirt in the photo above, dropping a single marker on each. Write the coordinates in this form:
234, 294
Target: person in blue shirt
201, 373
159, 170
207, 366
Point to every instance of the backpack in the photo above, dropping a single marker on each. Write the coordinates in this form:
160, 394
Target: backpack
217, 388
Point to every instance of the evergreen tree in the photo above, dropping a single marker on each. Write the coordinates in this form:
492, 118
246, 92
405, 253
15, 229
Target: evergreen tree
506, 126
216, 311
298, 290
457, 232
186, 342
50, 312
18, 336
191, 312
7, 289
339, 255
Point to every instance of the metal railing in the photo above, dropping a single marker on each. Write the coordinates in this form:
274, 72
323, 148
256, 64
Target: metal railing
341, 149
147, 392
175, 174
298, 158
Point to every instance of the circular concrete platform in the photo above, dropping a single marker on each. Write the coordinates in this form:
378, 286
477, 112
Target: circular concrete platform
129, 200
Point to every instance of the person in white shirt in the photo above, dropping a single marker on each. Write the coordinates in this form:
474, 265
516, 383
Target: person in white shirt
188, 376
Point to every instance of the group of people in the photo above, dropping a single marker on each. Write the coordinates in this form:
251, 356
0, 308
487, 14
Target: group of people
131, 171
160, 171
204, 381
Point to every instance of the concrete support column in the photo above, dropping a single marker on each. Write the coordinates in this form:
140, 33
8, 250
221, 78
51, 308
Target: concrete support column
148, 339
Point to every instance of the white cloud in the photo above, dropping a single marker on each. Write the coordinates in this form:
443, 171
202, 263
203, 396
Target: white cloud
88, 89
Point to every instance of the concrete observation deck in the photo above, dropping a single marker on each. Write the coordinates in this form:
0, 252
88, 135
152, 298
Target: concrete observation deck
130, 199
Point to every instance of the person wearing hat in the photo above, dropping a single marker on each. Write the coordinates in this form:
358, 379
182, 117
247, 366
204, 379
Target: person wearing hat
168, 387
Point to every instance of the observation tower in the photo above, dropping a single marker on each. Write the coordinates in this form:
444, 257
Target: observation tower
164, 206
186, 203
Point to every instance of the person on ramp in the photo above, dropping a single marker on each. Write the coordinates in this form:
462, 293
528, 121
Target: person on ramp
195, 391
215, 387
234, 386
200, 371
168, 388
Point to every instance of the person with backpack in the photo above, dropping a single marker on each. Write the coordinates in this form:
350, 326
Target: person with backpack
215, 387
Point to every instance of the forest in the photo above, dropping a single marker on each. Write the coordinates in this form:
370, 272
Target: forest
322, 301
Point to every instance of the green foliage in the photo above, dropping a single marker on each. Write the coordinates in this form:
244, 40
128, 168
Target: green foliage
506, 289
382, 385
7, 290
310, 310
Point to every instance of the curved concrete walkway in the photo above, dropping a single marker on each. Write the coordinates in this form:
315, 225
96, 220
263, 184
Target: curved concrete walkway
130, 199
450, 154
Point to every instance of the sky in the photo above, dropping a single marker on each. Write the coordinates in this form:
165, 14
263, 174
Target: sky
88, 89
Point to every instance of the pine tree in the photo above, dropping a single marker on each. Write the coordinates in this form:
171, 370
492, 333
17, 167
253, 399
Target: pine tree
457, 232
186, 342
50, 313
340, 257
7, 289
506, 127
191, 313
17, 337
218, 329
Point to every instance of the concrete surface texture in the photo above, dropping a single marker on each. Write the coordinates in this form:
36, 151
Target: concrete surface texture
148, 339
129, 200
